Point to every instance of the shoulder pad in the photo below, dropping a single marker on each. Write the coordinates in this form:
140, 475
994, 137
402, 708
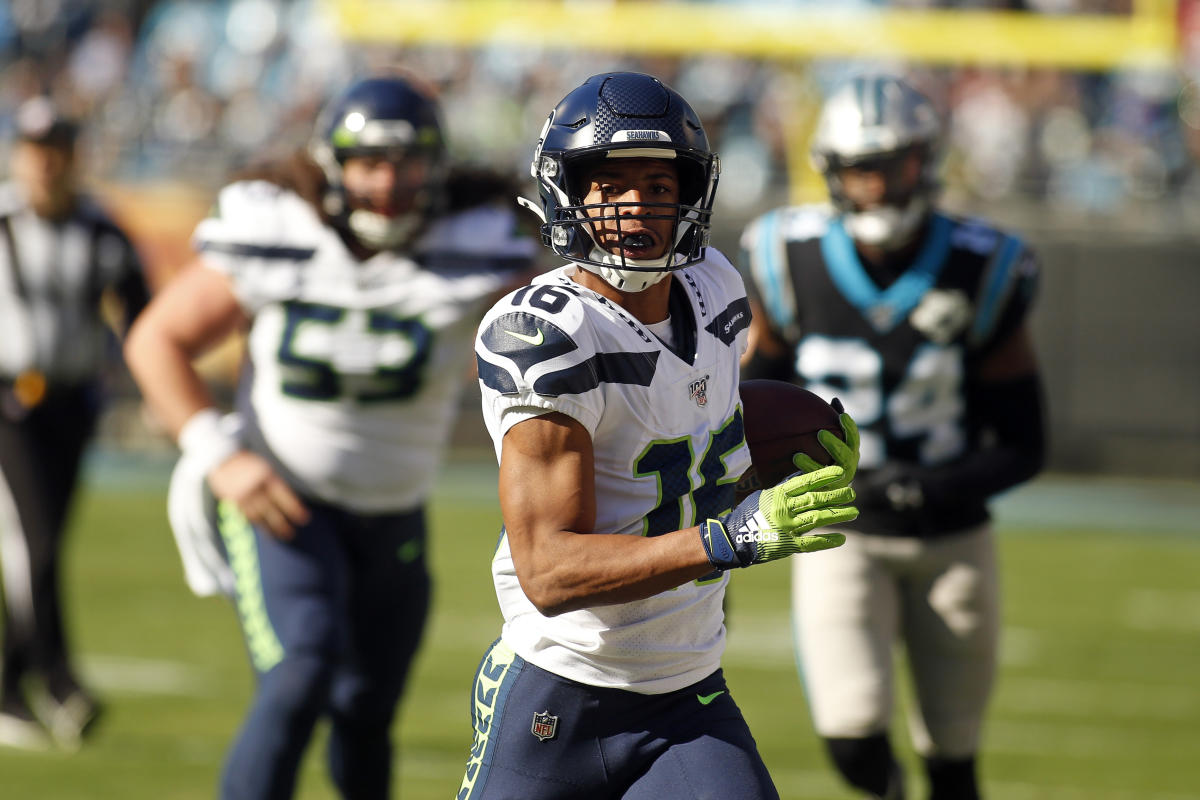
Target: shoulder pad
975, 235
1006, 290
524, 338
260, 214
539, 304
799, 223
536, 342
789, 223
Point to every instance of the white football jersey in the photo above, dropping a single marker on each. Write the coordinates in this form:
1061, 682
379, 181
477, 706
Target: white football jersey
354, 368
667, 433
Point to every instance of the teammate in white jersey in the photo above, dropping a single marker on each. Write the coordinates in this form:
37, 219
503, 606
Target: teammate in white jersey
361, 292
610, 389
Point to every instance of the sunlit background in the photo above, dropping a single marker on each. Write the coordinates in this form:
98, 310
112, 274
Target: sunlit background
1075, 121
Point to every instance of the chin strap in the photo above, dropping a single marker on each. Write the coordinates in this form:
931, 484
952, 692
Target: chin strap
532, 205
888, 227
610, 268
379, 232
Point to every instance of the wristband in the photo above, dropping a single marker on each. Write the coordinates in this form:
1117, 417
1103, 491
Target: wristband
718, 547
205, 441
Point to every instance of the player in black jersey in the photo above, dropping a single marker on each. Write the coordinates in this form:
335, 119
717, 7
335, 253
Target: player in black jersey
917, 320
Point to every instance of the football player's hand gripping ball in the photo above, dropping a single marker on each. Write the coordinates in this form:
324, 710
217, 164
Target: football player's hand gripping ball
774, 523
844, 453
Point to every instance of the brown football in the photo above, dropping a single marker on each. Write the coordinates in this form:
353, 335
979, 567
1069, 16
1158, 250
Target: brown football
782, 419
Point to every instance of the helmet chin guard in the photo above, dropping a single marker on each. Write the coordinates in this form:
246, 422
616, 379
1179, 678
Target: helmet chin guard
628, 275
383, 233
888, 227
623, 115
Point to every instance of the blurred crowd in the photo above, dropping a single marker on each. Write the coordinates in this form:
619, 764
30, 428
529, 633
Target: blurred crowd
186, 90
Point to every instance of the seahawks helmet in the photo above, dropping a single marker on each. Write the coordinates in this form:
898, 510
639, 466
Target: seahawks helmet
876, 122
622, 115
388, 117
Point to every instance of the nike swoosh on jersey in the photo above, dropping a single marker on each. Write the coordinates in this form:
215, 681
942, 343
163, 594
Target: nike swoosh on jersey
705, 699
533, 340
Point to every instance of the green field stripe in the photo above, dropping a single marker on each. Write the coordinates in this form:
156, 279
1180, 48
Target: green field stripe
1089, 741
1080, 697
1003, 789
1101, 503
143, 676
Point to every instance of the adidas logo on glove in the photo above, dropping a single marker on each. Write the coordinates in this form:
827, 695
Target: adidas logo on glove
758, 537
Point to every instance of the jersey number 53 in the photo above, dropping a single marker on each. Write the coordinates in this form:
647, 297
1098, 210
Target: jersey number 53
329, 353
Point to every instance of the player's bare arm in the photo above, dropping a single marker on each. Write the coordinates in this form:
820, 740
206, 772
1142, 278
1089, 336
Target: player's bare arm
189, 316
548, 501
192, 314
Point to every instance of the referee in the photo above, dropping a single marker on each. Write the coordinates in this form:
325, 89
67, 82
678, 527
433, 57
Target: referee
60, 256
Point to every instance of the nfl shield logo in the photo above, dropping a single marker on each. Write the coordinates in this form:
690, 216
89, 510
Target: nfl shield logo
544, 725
698, 391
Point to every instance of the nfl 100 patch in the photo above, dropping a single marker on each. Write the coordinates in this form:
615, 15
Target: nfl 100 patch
698, 391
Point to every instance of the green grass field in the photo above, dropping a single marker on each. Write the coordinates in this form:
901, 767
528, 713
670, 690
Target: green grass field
1098, 698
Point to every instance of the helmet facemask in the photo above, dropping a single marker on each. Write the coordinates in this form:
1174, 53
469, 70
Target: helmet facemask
623, 116
414, 194
604, 237
904, 205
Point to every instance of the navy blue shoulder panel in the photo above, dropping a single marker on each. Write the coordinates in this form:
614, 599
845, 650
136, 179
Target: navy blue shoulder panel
260, 251
446, 261
526, 339
730, 322
495, 378
633, 368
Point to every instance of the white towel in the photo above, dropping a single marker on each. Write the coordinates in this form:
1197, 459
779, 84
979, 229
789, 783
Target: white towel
192, 512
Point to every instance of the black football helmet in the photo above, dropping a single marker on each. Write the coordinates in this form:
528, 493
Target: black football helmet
387, 117
875, 121
623, 115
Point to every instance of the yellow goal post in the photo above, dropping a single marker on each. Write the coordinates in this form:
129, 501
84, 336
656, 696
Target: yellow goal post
1146, 38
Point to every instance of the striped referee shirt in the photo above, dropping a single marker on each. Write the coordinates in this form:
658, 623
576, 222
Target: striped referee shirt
53, 274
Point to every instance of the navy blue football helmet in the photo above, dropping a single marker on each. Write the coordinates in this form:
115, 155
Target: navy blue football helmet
623, 115
385, 117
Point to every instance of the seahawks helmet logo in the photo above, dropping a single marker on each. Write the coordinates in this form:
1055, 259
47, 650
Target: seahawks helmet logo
641, 136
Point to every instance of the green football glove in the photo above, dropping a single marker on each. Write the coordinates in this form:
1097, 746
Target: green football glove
843, 453
774, 523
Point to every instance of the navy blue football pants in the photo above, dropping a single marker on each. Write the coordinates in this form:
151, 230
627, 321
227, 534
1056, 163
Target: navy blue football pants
332, 620
539, 736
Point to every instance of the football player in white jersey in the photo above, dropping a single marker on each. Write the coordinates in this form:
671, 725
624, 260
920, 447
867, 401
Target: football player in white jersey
360, 291
918, 320
610, 389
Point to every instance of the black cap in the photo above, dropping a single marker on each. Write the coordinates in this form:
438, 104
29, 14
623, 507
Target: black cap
38, 120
